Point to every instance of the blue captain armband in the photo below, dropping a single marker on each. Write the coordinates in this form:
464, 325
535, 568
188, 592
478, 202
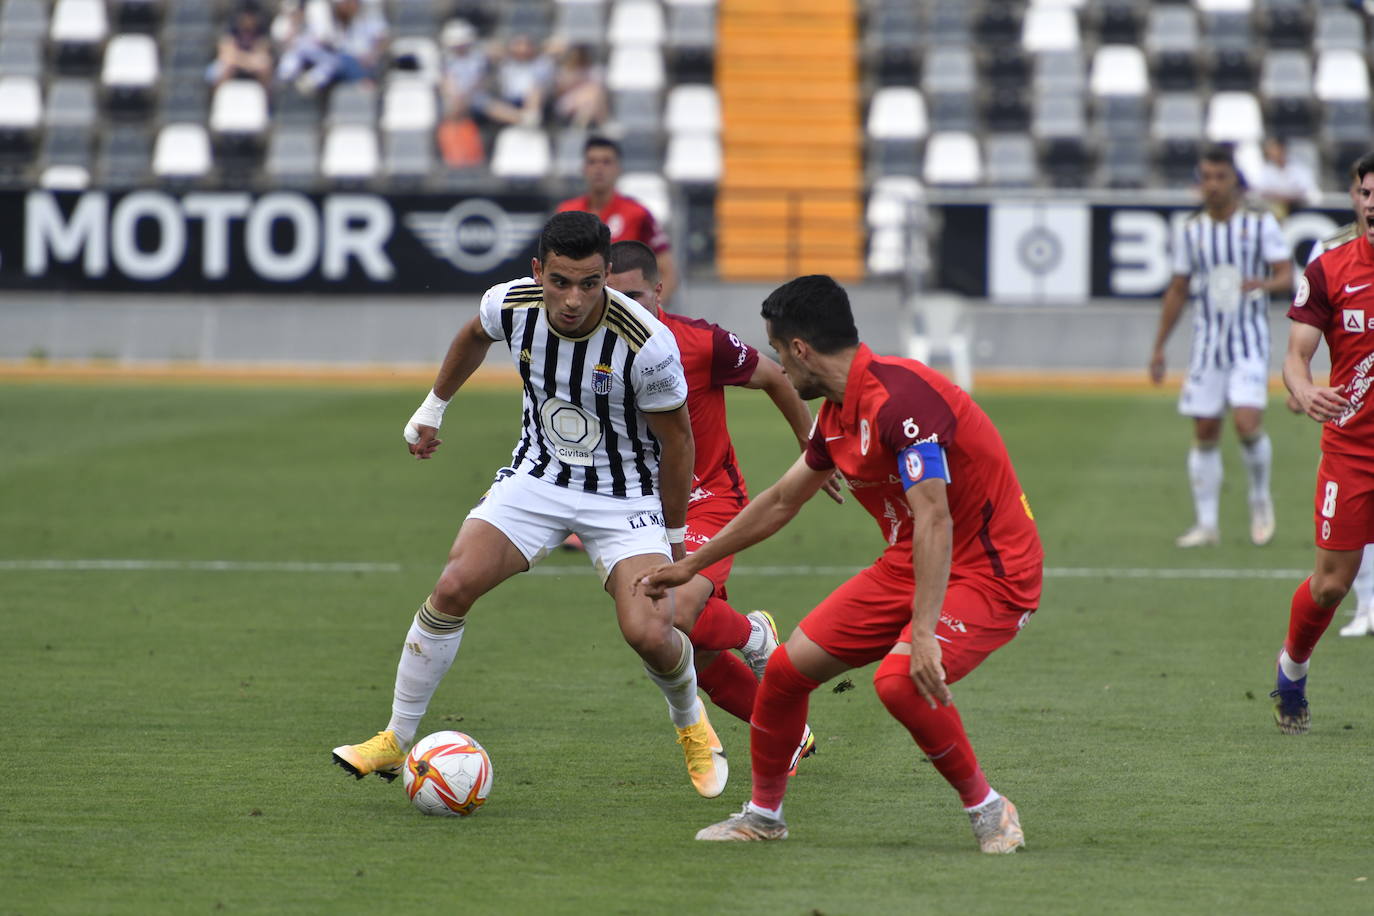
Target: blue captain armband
922, 461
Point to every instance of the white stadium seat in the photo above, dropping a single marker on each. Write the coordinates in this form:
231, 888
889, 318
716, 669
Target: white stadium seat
650, 189
21, 104
1050, 28
635, 67
1342, 75
897, 113
239, 107
693, 158
691, 108
78, 22
953, 158
182, 151
1119, 70
1234, 117
636, 22
891, 202
350, 152
130, 63
409, 104
521, 153
65, 178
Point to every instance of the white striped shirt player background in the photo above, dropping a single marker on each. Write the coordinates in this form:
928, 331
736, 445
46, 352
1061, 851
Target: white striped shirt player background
580, 426
1229, 325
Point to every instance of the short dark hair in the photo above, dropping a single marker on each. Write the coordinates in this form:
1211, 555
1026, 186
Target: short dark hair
604, 143
1363, 166
1220, 154
575, 234
815, 309
632, 254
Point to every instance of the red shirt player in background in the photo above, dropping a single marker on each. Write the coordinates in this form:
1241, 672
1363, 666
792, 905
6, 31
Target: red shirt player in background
960, 575
712, 359
1335, 300
627, 218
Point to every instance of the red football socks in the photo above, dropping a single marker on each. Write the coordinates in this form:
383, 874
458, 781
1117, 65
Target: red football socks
776, 727
720, 627
938, 732
730, 684
1307, 621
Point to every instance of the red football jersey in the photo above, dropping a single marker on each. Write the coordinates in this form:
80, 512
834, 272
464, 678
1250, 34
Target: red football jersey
892, 403
712, 358
627, 218
1336, 294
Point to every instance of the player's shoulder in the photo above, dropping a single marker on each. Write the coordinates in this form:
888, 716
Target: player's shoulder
625, 202
631, 321
1195, 217
520, 293
1342, 236
1251, 207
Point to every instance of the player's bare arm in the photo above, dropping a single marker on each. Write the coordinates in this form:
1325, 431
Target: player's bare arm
1279, 281
465, 354
768, 378
765, 515
932, 545
1175, 298
673, 430
1321, 403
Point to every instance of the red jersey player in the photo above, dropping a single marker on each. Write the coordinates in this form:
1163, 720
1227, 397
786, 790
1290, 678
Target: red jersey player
959, 577
713, 358
1335, 301
627, 218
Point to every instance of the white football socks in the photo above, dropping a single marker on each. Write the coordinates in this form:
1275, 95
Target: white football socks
1204, 473
774, 813
988, 799
1258, 455
1292, 670
1364, 580
679, 685
431, 645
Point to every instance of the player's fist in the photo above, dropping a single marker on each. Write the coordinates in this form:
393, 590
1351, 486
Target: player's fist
422, 440
1157, 366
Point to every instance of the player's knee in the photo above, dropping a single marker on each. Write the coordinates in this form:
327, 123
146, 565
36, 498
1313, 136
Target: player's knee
1330, 588
892, 681
453, 593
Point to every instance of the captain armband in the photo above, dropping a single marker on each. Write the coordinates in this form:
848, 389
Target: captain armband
922, 461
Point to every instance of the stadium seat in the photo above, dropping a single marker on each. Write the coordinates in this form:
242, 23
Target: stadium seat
409, 104
1227, 24
635, 23
692, 108
27, 19
949, 70
136, 15
891, 201
183, 100
182, 152
1287, 24
1338, 30
71, 101
77, 33
239, 107
641, 151
1286, 85
1006, 67
1010, 161
350, 153
21, 115
60, 177
952, 158
581, 22
129, 75
895, 127
1119, 22
20, 56
1006, 110
1050, 28
1119, 70
1342, 75
352, 103
998, 24
521, 154
567, 155
692, 41
124, 156
943, 328
1059, 73
650, 189
632, 67
1125, 163
409, 157
1234, 117
418, 57
693, 159
293, 156
948, 24
521, 17
1171, 42
887, 251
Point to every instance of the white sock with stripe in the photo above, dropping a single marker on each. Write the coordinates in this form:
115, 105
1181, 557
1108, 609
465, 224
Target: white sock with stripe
431, 646
679, 685
1258, 455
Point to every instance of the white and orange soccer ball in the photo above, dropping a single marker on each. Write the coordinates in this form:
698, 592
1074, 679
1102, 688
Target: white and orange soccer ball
447, 773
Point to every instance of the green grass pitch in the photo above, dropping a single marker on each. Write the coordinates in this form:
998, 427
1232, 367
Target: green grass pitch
167, 730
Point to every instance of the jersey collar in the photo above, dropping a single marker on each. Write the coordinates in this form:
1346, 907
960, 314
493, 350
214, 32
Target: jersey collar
853, 385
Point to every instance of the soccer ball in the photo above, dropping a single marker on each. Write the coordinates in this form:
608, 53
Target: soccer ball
447, 773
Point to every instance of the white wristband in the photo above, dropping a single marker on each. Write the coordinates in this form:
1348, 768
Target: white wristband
676, 535
430, 413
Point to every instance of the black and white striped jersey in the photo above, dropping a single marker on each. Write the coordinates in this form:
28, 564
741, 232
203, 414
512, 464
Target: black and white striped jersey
582, 425
1229, 324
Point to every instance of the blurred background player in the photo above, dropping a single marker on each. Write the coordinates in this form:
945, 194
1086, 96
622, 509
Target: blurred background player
1362, 624
1231, 256
1283, 182
713, 358
959, 578
605, 450
627, 217
1335, 301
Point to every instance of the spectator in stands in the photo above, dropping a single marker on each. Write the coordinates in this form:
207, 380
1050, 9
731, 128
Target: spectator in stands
626, 217
465, 72
244, 51
522, 85
1283, 183
579, 87
347, 46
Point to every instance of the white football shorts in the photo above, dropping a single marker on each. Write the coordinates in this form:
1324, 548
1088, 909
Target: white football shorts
536, 516
1208, 391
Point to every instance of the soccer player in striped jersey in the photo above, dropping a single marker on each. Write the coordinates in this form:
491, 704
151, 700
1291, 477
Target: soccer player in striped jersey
1334, 302
605, 451
713, 358
1231, 256
959, 577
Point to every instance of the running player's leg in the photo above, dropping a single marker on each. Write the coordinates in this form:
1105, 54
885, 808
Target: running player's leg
1248, 394
481, 558
975, 621
1204, 478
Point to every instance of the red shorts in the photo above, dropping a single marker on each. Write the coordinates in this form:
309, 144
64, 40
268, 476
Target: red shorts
1344, 502
864, 618
705, 518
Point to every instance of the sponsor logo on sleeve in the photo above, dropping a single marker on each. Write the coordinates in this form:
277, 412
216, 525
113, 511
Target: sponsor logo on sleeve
659, 386
863, 436
1304, 290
